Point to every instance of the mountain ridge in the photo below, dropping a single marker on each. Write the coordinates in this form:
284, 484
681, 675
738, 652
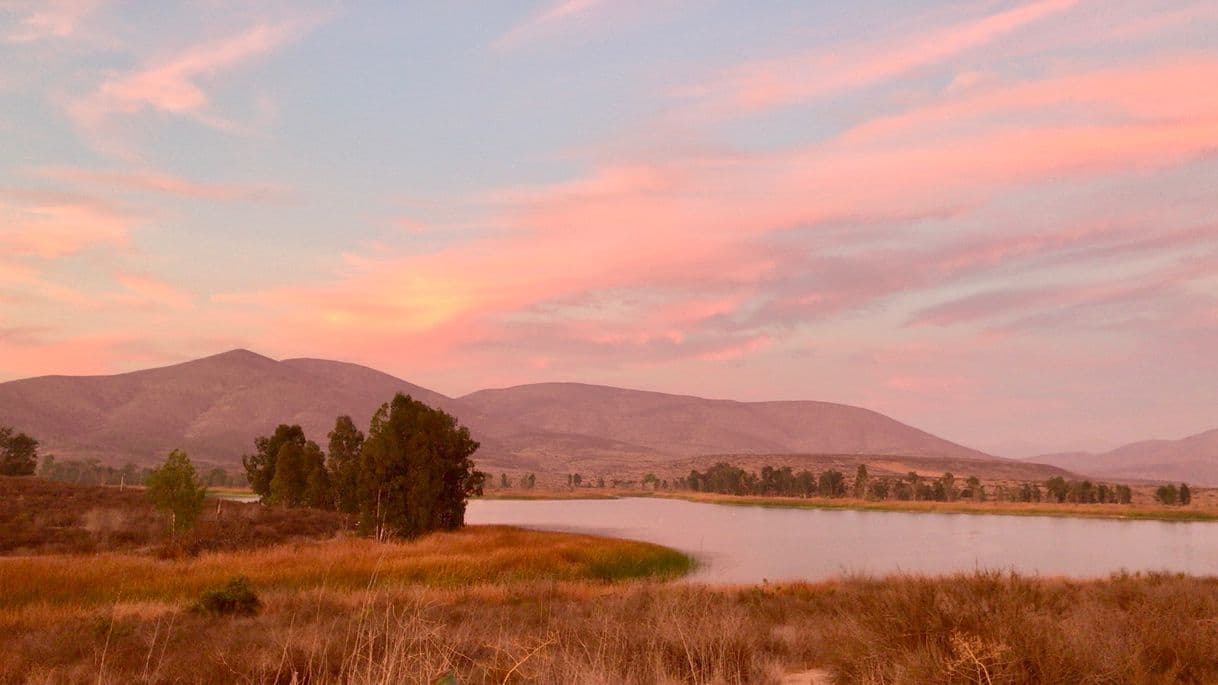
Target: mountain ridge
1193, 458
214, 406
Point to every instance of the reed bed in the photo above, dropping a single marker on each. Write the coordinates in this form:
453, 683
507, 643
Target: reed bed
476, 554
971, 628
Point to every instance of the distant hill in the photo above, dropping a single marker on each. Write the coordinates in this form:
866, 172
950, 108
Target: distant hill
576, 419
214, 407
1193, 459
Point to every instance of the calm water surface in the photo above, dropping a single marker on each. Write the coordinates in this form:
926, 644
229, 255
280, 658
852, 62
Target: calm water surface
744, 544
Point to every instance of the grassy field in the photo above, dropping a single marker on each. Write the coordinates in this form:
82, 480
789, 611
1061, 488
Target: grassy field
40, 517
491, 604
973, 628
474, 555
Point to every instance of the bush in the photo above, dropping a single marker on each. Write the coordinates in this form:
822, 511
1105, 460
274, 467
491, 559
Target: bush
234, 599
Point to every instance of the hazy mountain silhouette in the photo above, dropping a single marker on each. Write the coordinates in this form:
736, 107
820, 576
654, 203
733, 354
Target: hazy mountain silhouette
1193, 459
574, 417
215, 406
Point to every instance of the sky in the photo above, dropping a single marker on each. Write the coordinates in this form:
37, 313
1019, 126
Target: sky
997, 221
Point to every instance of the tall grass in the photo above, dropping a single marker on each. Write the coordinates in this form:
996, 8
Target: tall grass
970, 628
45, 517
477, 554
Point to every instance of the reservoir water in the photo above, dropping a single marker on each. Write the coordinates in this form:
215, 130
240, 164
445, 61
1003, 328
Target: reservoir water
747, 544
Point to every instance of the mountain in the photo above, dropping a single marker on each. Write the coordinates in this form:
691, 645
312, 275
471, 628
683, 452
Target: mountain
211, 407
1193, 459
214, 407
578, 418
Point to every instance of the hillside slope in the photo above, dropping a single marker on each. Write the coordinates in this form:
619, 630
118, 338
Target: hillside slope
214, 408
1193, 459
577, 418
211, 407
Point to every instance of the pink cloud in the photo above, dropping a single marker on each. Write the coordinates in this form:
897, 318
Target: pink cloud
544, 21
175, 84
1151, 93
654, 239
770, 83
142, 290
51, 225
50, 19
167, 184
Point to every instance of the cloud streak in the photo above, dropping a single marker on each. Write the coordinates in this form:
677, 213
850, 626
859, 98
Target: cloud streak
766, 84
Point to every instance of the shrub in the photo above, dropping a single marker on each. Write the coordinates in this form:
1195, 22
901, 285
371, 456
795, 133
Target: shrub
234, 599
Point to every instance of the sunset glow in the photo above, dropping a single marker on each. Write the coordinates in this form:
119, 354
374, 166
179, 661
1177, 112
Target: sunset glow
997, 221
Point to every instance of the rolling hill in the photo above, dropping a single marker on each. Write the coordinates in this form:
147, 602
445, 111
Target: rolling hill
578, 419
1193, 459
215, 406
211, 407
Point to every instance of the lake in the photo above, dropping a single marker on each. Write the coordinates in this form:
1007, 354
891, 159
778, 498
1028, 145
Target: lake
747, 544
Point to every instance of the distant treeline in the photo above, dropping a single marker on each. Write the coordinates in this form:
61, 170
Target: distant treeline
93, 472
723, 478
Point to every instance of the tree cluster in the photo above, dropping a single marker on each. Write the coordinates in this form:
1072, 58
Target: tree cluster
726, 479
1058, 489
18, 453
527, 481
409, 475
1171, 495
91, 472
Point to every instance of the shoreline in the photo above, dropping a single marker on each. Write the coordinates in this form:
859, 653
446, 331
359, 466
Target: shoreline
1119, 512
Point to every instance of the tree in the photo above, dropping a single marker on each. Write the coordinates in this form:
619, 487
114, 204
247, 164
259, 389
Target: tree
260, 466
1185, 494
18, 453
879, 489
217, 477
860, 482
174, 488
291, 476
903, 491
417, 473
1167, 494
831, 484
651, 479
318, 492
974, 489
1124, 494
1057, 488
343, 463
577, 479
949, 487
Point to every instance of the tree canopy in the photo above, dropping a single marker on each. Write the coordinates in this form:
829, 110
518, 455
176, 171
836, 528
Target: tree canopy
18, 453
260, 466
416, 472
346, 446
174, 488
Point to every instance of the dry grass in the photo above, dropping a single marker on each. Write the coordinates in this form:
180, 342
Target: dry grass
501, 605
45, 517
978, 628
474, 555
